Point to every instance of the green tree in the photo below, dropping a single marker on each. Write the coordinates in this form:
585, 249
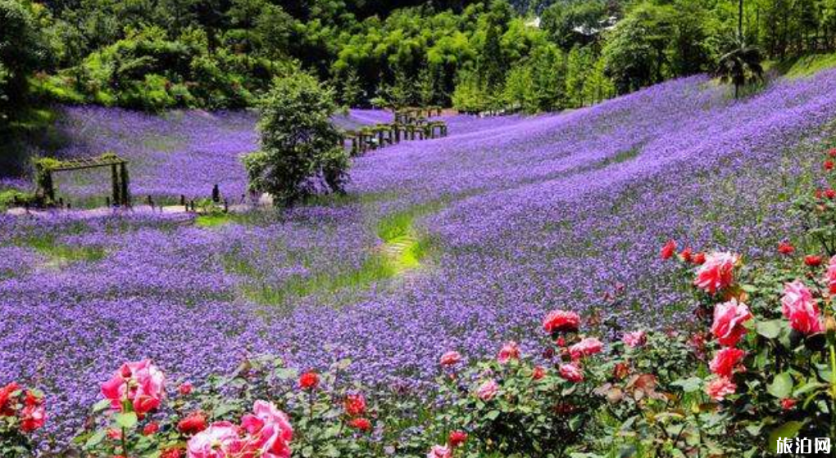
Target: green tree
579, 64
351, 89
22, 50
576, 23
742, 64
426, 86
635, 51
299, 153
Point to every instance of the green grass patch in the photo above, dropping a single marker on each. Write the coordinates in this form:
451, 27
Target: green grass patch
403, 249
806, 66
375, 268
400, 224
213, 220
63, 253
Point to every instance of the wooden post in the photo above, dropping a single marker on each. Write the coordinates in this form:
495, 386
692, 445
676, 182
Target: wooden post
49, 191
125, 194
117, 188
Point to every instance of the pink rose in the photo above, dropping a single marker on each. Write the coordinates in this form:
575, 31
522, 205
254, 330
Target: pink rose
831, 275
635, 339
141, 383
487, 390
269, 429
571, 372
220, 440
450, 358
586, 347
717, 272
720, 387
727, 361
440, 451
799, 307
508, 352
728, 322
561, 321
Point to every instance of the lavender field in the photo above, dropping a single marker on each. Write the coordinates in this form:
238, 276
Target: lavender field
504, 220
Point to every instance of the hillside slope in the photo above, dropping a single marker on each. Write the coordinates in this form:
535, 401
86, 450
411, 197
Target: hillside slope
515, 216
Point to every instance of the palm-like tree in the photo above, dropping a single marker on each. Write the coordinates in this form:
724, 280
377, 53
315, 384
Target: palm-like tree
741, 65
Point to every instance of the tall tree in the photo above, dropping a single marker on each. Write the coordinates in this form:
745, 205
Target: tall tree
299, 153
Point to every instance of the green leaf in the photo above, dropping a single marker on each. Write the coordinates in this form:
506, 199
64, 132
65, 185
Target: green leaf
688, 385
101, 405
492, 415
788, 430
807, 387
781, 386
769, 329
126, 420
95, 439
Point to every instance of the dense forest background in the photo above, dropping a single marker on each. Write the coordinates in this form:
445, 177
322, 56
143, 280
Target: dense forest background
531, 55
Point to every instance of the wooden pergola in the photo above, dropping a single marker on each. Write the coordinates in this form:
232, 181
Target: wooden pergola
45, 169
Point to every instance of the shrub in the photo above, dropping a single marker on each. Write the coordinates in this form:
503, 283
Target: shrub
299, 154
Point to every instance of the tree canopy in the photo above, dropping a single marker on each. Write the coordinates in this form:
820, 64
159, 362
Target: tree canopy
473, 54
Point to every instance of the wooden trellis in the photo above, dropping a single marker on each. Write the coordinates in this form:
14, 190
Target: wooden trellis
45, 169
409, 124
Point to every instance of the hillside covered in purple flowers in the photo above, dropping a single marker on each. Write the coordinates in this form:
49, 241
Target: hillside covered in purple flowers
508, 217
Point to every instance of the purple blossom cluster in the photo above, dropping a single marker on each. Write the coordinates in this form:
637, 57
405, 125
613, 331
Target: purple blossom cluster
529, 214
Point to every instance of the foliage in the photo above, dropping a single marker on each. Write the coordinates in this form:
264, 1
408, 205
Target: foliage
22, 51
299, 155
741, 66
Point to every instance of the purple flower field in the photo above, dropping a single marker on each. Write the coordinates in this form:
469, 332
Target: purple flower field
524, 215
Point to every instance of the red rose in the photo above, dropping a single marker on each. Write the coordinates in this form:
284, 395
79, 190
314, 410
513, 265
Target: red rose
699, 259
686, 255
457, 438
355, 405
812, 260
828, 165
832, 152
172, 453
561, 321
114, 434
192, 424
185, 388
785, 248
668, 250
32, 417
819, 194
150, 428
727, 361
788, 403
361, 424
538, 373
621, 371
830, 193
6, 394
309, 381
